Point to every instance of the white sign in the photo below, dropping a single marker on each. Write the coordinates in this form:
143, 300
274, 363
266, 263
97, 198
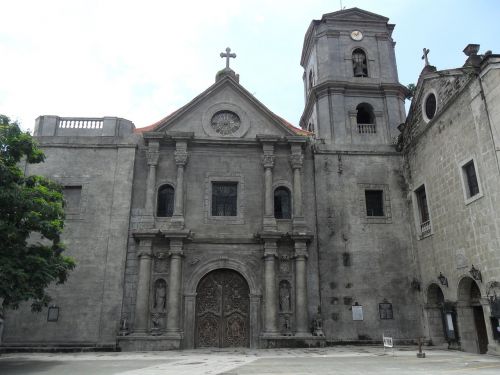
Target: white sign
357, 312
387, 342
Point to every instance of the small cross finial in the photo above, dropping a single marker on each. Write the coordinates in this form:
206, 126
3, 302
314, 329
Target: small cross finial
424, 56
228, 55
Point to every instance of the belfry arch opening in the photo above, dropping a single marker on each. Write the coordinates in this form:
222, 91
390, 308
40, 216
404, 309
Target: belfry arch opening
359, 63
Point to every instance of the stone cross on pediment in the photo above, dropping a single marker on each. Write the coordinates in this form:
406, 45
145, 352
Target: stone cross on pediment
424, 56
228, 55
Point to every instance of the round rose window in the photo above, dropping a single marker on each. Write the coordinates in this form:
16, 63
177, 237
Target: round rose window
225, 122
430, 106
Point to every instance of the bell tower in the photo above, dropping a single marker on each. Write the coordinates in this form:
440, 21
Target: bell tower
351, 86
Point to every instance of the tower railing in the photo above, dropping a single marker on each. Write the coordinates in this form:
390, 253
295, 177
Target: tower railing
367, 129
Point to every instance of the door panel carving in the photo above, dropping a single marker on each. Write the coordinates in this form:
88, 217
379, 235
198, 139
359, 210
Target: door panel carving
222, 310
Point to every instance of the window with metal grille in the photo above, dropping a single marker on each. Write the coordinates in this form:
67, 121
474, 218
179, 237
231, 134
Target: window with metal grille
422, 204
224, 198
471, 179
374, 202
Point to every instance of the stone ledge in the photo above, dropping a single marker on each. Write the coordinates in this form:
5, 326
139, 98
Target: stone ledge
147, 343
270, 342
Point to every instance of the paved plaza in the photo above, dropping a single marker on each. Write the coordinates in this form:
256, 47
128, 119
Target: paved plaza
333, 360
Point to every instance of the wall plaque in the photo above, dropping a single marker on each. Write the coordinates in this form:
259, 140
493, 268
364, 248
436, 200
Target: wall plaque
357, 312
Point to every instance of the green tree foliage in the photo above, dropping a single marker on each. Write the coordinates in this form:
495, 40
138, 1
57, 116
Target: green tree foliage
31, 221
411, 90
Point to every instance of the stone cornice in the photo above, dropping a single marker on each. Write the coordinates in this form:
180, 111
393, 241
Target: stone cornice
153, 135
145, 233
368, 87
177, 234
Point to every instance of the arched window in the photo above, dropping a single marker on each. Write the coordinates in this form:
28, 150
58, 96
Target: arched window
165, 204
282, 203
365, 119
359, 65
364, 114
311, 83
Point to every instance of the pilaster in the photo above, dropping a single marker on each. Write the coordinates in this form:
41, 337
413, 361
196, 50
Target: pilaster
145, 255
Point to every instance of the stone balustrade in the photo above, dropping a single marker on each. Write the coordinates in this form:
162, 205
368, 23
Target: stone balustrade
53, 126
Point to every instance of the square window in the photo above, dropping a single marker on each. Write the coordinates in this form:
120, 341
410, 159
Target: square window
385, 310
472, 185
224, 198
424, 219
374, 202
422, 204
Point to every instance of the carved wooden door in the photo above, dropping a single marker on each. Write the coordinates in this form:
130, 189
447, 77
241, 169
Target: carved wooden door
222, 310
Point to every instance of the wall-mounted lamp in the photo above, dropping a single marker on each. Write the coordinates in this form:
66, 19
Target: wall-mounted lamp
476, 274
442, 279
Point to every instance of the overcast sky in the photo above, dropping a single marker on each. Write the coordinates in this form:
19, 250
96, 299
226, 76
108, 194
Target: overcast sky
143, 59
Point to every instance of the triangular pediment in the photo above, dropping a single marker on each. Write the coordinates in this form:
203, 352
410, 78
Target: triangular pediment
226, 110
444, 86
354, 14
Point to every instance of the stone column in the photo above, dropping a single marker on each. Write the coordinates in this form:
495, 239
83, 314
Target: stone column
181, 158
152, 155
144, 254
269, 221
296, 161
174, 288
301, 319
270, 302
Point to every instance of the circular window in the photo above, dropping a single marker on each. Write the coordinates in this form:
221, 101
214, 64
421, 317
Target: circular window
430, 106
225, 122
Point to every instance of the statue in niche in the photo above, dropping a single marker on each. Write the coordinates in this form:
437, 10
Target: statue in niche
285, 296
160, 295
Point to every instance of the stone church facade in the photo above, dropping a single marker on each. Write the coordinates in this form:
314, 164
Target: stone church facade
222, 225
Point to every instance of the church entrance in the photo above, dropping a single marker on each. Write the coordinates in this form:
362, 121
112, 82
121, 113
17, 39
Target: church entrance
475, 336
222, 310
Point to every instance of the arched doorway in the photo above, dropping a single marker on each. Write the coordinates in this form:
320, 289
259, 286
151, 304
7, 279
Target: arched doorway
474, 337
222, 310
435, 314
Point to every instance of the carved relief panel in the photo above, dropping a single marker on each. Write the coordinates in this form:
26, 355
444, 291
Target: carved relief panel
222, 310
285, 282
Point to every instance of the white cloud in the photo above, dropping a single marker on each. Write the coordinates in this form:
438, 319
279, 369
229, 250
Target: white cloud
143, 59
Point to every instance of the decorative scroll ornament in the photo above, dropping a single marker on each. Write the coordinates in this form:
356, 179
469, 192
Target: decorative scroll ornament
180, 157
152, 156
296, 160
225, 122
268, 160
